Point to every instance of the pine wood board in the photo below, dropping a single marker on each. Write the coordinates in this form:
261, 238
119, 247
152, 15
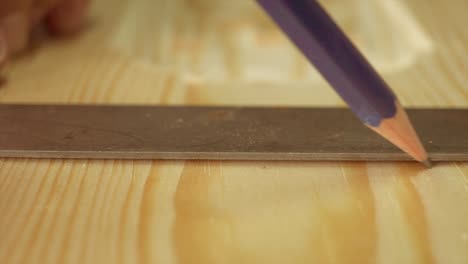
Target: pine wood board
184, 52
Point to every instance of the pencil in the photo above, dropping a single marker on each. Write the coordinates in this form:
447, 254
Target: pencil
326, 46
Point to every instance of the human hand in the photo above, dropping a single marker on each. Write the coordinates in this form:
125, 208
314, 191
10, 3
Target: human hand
19, 17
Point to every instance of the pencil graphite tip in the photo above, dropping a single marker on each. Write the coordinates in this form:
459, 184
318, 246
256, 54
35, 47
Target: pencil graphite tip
427, 163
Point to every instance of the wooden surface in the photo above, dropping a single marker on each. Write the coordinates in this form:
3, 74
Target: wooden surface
211, 52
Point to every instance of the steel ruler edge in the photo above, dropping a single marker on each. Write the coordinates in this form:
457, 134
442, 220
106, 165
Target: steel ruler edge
217, 133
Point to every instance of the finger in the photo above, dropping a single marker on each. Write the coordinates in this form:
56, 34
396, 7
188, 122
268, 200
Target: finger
15, 29
67, 16
12, 6
39, 9
3, 49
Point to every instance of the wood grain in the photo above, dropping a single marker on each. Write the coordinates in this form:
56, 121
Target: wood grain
185, 52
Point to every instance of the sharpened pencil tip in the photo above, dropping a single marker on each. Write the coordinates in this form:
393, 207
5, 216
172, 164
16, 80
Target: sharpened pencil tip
427, 163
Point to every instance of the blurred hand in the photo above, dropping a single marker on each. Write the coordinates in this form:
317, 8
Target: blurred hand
19, 17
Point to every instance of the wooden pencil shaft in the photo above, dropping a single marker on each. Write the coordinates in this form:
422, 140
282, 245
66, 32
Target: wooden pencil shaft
217, 133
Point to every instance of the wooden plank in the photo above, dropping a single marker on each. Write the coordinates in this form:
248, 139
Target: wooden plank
181, 52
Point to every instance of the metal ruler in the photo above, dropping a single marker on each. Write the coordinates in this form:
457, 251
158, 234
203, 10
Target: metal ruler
217, 133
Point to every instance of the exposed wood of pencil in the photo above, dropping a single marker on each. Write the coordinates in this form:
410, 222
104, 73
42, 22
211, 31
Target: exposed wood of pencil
400, 132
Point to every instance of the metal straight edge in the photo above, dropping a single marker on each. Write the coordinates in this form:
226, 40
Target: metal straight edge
217, 133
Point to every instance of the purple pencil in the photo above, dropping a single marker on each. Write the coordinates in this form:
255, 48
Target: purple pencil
326, 46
